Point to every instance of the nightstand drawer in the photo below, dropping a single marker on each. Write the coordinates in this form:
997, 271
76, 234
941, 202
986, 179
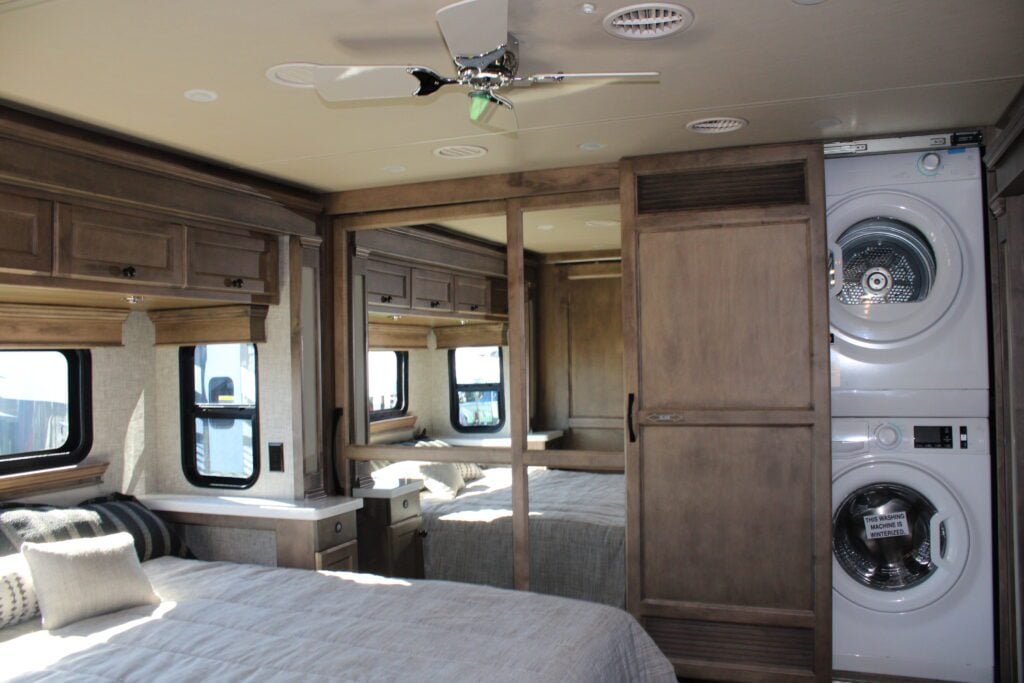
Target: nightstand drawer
336, 530
404, 507
340, 558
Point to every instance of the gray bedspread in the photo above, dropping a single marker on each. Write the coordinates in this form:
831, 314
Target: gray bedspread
232, 622
577, 534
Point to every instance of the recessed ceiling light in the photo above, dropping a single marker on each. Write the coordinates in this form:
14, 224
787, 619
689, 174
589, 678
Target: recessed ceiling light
829, 122
460, 152
601, 224
588, 8
394, 168
648, 20
292, 74
545, 227
200, 95
717, 124
591, 146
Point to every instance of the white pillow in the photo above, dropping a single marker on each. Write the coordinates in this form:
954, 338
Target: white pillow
470, 471
440, 478
17, 596
85, 577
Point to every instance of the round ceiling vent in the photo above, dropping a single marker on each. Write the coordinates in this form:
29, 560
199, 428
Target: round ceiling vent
459, 152
717, 124
293, 74
648, 20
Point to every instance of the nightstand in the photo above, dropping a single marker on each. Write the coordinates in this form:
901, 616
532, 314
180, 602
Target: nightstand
391, 529
307, 534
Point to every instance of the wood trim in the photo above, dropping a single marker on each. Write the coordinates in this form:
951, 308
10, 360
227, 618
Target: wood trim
569, 200
1010, 127
394, 424
574, 257
56, 479
859, 677
327, 357
606, 461
475, 189
519, 377
387, 336
60, 326
595, 423
342, 417
486, 334
486, 456
727, 613
417, 216
210, 325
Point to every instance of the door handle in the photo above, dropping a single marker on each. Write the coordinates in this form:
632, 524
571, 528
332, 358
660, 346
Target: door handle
629, 418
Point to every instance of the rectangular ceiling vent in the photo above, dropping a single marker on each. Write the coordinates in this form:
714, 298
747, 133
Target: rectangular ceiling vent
773, 185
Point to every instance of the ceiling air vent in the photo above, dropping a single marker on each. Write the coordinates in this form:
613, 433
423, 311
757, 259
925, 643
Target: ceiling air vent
717, 124
294, 74
648, 20
459, 152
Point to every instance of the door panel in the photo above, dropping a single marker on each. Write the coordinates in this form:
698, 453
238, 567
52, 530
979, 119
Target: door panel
231, 261
26, 234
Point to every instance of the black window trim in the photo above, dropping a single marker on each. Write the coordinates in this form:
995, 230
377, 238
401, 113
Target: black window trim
453, 396
402, 358
79, 441
190, 411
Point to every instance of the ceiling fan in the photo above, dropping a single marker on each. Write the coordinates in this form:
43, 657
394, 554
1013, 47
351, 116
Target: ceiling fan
485, 56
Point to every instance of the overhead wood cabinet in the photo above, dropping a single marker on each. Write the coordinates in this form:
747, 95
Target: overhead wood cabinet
728, 460
26, 234
242, 261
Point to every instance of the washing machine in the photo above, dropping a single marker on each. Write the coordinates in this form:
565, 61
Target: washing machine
907, 305
912, 548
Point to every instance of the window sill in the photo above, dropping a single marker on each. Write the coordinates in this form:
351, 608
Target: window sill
393, 424
47, 481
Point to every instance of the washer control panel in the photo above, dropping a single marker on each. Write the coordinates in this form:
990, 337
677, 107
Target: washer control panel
861, 436
930, 436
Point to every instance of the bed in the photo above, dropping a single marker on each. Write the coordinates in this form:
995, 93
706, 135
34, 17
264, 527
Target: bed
577, 533
233, 622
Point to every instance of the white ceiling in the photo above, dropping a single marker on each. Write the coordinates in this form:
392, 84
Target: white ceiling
879, 67
552, 231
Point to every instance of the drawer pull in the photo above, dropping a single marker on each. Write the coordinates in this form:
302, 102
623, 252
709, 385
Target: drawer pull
435, 304
235, 283
337, 527
474, 307
385, 298
422, 533
128, 272
405, 504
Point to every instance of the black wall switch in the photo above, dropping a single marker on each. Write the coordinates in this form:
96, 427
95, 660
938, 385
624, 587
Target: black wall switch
276, 453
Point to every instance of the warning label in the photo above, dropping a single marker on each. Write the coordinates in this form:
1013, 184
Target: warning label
886, 526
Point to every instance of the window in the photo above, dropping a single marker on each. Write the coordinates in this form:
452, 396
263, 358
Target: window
45, 409
476, 388
219, 416
387, 375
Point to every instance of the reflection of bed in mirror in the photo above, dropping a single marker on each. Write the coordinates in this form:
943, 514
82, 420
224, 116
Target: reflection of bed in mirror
577, 532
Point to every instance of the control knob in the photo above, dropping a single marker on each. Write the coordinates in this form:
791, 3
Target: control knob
930, 162
887, 436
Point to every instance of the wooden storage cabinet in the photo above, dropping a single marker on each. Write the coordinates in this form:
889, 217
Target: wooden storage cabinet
26, 234
97, 244
432, 290
388, 284
391, 532
472, 294
340, 558
229, 261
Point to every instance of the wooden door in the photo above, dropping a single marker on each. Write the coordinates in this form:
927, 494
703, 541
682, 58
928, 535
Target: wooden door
103, 245
472, 294
432, 290
388, 284
726, 367
232, 262
26, 234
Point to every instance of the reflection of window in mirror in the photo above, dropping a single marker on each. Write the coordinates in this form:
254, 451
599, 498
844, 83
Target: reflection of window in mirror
387, 374
477, 388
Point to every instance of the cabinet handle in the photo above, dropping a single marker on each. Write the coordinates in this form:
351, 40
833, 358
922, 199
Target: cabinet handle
385, 298
422, 533
128, 272
474, 307
235, 283
435, 304
629, 418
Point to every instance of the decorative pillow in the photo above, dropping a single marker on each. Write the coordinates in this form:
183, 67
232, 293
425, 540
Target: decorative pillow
86, 577
440, 478
17, 596
470, 471
21, 522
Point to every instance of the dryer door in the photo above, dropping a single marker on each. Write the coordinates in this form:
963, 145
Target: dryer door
900, 539
898, 266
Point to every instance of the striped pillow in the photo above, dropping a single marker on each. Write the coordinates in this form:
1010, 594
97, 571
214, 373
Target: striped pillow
17, 596
95, 517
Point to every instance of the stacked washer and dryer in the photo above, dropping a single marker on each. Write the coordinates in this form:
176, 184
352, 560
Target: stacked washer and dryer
911, 487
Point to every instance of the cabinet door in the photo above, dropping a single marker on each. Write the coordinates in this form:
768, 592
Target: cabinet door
405, 541
388, 284
26, 235
231, 261
728, 468
499, 296
472, 294
432, 290
102, 245
340, 558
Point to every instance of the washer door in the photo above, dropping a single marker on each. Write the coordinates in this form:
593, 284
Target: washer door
899, 536
897, 267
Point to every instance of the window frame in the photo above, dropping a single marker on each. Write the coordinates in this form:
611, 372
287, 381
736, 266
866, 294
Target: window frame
402, 409
453, 396
190, 411
79, 441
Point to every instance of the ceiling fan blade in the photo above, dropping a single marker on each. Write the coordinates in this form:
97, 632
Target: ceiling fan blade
472, 28
342, 83
607, 75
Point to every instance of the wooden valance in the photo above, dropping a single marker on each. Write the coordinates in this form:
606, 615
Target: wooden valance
42, 326
384, 336
486, 334
210, 325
